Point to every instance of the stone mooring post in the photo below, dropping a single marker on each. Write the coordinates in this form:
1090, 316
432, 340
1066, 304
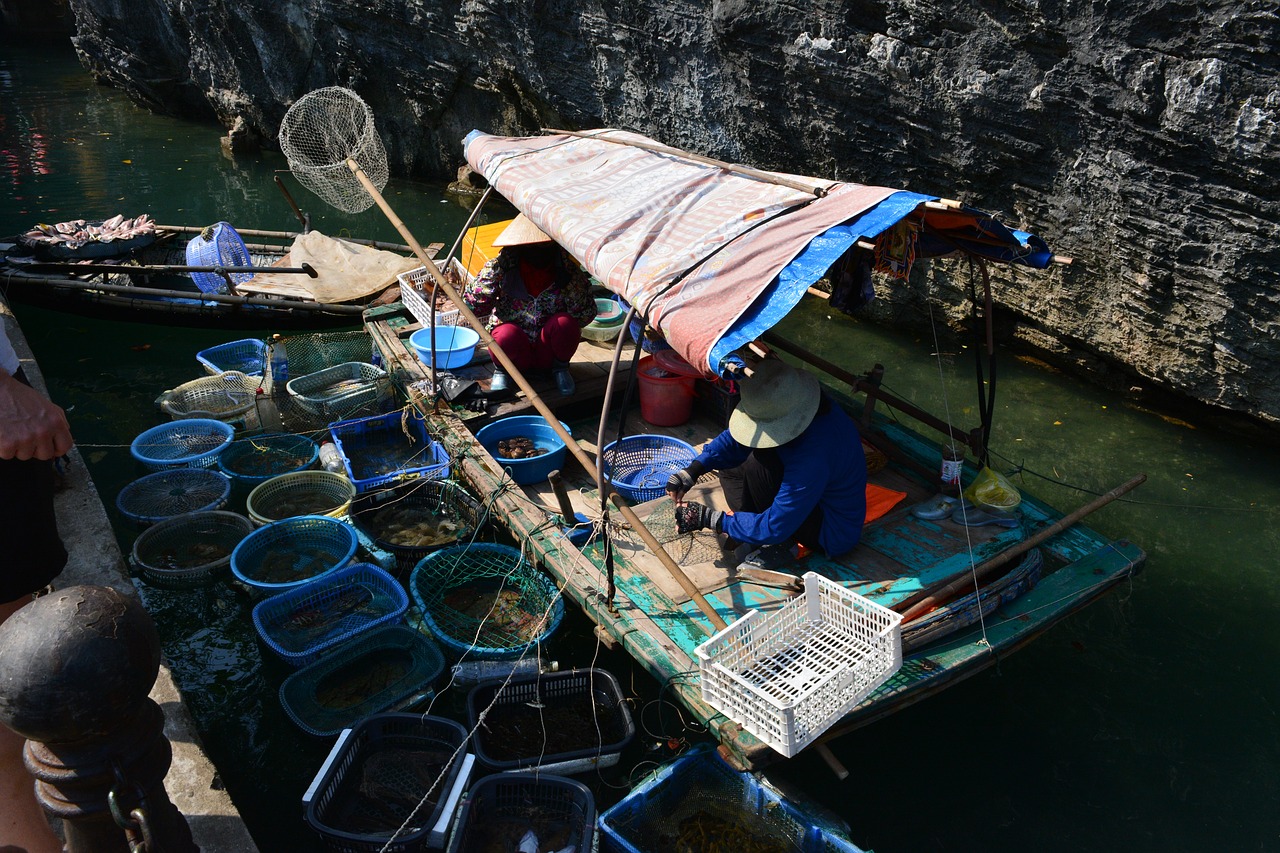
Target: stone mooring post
76, 666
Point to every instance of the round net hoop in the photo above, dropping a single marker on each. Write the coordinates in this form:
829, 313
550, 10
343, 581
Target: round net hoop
320, 132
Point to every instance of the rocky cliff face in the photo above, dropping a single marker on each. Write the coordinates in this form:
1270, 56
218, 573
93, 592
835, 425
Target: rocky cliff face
1139, 138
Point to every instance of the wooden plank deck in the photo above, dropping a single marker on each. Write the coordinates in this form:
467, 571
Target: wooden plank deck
653, 618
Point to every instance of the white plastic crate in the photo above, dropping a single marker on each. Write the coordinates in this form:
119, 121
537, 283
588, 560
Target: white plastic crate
789, 675
414, 285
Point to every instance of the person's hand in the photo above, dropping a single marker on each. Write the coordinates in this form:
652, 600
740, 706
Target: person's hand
31, 426
694, 516
679, 483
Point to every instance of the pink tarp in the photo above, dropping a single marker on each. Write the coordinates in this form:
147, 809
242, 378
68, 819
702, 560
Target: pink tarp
639, 222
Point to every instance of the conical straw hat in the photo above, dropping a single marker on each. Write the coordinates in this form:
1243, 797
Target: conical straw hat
778, 403
519, 232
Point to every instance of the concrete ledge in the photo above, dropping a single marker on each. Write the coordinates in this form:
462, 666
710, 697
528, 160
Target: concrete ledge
94, 558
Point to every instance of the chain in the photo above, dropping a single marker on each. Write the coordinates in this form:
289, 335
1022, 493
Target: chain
137, 829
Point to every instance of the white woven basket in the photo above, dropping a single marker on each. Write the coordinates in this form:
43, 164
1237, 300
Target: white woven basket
787, 676
413, 293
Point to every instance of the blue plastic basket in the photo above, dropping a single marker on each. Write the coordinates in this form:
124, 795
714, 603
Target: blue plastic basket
363, 676
255, 460
376, 450
222, 247
248, 356
533, 469
187, 443
302, 623
638, 466
485, 600
698, 797
500, 809
163, 494
288, 553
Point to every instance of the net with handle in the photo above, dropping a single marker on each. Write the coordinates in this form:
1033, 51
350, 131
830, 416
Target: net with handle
320, 132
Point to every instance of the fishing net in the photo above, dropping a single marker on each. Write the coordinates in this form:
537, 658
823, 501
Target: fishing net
320, 132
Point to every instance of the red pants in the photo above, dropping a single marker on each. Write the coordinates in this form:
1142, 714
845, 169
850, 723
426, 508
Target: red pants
557, 341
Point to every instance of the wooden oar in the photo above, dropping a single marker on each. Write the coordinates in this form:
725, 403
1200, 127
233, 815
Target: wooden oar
139, 269
650, 541
927, 599
225, 298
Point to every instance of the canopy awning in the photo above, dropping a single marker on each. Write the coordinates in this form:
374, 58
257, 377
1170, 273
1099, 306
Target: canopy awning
713, 256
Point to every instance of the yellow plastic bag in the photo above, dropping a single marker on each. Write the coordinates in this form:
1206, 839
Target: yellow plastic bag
993, 490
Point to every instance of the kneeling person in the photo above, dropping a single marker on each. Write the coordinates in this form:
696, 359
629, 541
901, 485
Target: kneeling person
790, 463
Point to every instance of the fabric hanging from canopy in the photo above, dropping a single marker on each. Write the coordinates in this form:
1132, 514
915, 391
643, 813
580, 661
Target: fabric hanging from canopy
710, 256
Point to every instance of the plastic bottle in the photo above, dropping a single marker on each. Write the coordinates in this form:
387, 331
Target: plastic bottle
279, 363
331, 458
952, 465
474, 671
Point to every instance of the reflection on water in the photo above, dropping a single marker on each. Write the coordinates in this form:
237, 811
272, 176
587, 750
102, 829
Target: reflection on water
1145, 723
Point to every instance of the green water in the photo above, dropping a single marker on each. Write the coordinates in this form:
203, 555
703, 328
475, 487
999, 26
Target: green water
1146, 723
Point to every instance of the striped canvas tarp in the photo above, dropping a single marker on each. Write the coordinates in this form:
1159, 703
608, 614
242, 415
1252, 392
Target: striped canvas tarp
711, 257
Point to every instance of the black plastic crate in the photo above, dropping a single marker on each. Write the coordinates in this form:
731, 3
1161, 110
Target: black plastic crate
377, 773
560, 722
500, 809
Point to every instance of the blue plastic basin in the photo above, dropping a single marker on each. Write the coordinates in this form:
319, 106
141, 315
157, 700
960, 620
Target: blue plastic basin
455, 345
532, 469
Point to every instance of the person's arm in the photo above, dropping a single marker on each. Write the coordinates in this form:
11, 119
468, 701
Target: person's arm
576, 293
482, 291
31, 426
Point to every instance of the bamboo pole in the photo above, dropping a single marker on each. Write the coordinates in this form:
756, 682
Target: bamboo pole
746, 171
650, 541
283, 235
925, 600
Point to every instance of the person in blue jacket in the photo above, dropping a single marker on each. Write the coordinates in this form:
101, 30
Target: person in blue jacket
790, 463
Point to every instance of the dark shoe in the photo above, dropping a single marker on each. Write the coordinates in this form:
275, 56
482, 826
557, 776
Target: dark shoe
936, 507
564, 380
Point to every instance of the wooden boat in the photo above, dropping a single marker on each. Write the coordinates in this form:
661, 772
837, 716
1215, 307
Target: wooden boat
151, 282
969, 595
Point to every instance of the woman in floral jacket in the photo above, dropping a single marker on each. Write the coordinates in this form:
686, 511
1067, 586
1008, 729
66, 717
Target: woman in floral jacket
539, 299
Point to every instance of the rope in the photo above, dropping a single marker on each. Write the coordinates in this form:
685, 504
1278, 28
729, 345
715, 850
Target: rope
964, 510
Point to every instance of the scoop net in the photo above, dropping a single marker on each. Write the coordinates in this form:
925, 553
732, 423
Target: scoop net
320, 132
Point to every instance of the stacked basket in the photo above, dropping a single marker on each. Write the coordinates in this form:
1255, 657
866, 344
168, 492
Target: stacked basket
229, 396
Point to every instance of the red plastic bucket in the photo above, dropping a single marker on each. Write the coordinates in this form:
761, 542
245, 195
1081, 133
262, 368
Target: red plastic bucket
666, 398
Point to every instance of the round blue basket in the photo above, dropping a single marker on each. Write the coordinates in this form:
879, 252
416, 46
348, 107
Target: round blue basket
218, 246
288, 553
532, 469
187, 443
251, 461
164, 494
485, 600
639, 466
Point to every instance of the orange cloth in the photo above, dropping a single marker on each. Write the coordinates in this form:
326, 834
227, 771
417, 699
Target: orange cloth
880, 500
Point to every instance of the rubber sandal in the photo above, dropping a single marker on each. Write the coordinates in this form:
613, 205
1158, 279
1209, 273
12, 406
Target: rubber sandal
936, 507
974, 517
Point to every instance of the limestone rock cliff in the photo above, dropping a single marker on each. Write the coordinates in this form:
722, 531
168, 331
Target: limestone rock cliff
1139, 138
